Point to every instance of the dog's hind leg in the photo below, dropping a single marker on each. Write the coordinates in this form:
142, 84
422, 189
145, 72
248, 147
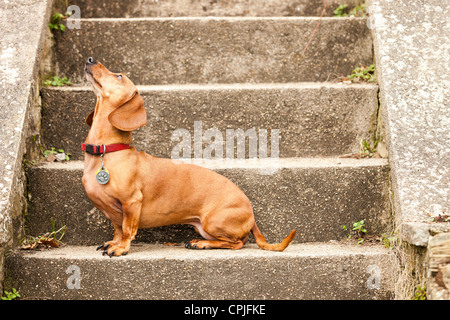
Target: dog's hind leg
228, 229
215, 244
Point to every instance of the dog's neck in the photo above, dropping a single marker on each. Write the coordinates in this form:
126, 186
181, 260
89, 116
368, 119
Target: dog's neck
102, 132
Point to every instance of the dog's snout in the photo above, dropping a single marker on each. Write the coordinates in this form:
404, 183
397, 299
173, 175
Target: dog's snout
91, 61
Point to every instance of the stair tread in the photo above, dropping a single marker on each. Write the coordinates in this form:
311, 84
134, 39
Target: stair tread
248, 163
147, 251
231, 86
171, 8
222, 18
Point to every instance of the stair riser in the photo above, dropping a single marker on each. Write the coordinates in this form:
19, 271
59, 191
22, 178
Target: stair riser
315, 201
175, 8
312, 121
216, 50
269, 277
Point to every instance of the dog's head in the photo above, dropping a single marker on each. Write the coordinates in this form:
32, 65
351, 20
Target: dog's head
119, 94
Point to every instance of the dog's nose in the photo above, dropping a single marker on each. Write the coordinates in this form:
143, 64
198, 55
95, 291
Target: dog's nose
91, 61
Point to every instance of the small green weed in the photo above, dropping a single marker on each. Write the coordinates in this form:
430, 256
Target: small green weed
420, 293
49, 152
359, 227
363, 74
343, 11
56, 22
358, 230
366, 151
390, 241
56, 81
11, 295
359, 11
53, 154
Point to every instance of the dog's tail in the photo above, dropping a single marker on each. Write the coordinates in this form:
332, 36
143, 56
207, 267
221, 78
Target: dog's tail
262, 243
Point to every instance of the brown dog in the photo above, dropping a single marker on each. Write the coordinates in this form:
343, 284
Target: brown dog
136, 190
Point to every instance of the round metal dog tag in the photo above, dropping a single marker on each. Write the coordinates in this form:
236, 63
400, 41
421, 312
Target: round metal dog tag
102, 176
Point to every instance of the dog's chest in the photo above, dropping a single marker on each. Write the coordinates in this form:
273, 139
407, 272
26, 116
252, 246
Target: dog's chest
94, 189
102, 199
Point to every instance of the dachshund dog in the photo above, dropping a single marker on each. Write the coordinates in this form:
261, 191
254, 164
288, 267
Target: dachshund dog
136, 190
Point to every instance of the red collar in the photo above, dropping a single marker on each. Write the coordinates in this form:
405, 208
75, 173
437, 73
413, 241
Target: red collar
101, 149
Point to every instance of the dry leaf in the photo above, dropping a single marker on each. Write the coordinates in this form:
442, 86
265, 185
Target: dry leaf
51, 242
51, 157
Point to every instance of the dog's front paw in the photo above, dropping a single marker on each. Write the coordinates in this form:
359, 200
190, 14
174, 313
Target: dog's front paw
113, 249
103, 246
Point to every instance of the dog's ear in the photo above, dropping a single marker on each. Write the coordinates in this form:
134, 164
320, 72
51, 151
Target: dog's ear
89, 118
129, 116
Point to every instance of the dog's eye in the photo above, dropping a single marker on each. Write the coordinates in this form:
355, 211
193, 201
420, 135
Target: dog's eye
118, 76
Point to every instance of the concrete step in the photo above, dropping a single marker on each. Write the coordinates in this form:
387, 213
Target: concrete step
216, 49
200, 8
306, 271
315, 196
314, 119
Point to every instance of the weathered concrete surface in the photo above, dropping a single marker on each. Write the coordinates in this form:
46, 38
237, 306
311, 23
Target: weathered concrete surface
314, 119
307, 271
21, 43
418, 233
412, 48
216, 49
316, 196
438, 287
199, 8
